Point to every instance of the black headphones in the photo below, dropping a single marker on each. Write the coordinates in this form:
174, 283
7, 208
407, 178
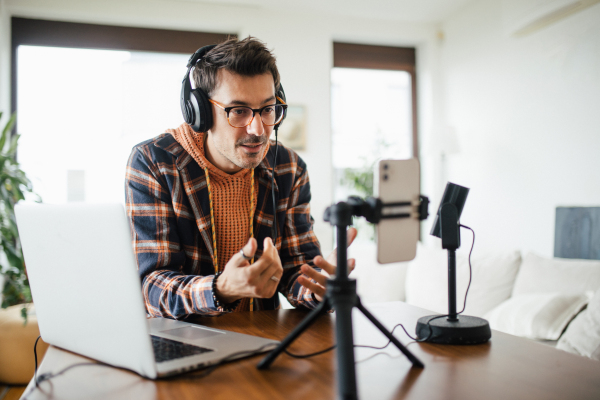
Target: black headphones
197, 113
195, 107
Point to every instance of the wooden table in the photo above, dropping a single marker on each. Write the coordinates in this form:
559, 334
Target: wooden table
508, 367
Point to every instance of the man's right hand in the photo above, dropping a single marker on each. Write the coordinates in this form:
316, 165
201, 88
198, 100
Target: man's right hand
240, 279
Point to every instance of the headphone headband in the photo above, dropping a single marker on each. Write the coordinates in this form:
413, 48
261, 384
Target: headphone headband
194, 58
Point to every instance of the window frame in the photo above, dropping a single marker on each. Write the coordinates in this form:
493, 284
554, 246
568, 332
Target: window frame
350, 55
37, 32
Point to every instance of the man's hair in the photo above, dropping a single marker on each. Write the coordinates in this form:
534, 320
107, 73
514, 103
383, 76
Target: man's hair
246, 57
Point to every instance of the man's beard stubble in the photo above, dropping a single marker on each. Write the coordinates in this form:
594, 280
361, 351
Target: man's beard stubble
256, 159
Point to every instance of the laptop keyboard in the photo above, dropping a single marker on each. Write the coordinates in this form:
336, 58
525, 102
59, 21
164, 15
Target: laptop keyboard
166, 349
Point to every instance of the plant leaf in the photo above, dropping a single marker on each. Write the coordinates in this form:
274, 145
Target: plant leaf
24, 315
6, 131
14, 142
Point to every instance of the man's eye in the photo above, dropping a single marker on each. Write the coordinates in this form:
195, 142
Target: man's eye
268, 110
239, 112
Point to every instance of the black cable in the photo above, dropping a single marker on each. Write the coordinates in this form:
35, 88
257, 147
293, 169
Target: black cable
429, 326
311, 354
35, 357
274, 231
465, 300
388, 343
383, 352
334, 346
231, 357
470, 268
47, 376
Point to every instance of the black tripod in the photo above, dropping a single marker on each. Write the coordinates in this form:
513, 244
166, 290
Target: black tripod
341, 294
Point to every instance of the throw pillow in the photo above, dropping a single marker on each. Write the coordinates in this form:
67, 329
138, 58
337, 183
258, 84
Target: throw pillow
546, 275
583, 334
536, 315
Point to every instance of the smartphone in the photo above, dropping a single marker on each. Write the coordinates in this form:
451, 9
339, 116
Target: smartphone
398, 181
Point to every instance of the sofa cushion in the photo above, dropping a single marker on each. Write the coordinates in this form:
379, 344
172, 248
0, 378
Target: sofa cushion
537, 315
548, 275
493, 278
583, 333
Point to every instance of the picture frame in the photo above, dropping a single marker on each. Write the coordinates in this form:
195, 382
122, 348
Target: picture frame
292, 132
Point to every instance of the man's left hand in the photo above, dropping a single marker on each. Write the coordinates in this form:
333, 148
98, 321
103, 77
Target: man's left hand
328, 267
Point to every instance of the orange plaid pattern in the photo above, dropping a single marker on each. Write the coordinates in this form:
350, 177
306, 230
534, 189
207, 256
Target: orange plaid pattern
168, 207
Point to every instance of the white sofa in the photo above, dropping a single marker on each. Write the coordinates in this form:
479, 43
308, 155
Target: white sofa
545, 299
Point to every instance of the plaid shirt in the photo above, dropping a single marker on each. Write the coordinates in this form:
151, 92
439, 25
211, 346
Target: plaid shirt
169, 212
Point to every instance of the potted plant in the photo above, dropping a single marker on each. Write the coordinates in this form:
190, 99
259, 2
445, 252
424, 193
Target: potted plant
359, 182
13, 186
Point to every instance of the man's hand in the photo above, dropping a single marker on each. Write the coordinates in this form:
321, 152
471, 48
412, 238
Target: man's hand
328, 268
240, 279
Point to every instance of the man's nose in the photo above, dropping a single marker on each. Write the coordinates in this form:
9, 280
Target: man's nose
256, 127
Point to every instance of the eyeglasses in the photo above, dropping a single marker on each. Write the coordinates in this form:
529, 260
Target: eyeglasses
242, 116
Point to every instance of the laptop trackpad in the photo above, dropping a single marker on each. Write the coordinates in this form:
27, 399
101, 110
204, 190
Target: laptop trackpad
192, 333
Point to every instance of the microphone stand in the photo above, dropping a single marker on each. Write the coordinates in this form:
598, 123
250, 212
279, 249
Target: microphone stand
341, 294
455, 329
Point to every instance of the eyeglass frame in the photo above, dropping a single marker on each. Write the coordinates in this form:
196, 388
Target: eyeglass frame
254, 111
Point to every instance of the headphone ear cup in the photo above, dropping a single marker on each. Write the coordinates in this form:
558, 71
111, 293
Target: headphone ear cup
188, 114
202, 111
195, 107
194, 110
184, 102
281, 95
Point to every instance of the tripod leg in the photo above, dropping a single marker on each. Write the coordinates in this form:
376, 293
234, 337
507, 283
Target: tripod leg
415, 361
347, 389
305, 324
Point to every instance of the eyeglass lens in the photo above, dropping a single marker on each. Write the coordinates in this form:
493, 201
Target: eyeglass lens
240, 117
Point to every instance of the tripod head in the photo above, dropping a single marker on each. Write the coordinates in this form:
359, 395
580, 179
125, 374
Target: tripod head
374, 210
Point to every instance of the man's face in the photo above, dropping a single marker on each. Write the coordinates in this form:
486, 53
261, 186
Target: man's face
231, 149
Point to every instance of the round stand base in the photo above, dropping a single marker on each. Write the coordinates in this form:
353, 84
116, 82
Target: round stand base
466, 330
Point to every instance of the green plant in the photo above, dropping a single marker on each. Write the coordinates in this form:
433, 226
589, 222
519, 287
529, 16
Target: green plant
13, 186
359, 181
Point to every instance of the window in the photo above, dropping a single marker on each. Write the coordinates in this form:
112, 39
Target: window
81, 112
373, 115
82, 107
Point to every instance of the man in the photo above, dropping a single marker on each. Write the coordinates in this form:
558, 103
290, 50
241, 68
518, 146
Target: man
195, 199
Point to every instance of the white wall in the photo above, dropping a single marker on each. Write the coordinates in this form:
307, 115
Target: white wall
301, 42
526, 111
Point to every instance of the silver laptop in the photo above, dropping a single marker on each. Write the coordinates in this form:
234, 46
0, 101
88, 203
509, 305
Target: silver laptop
88, 296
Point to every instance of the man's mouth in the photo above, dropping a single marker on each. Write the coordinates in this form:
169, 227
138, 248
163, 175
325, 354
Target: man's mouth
252, 147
